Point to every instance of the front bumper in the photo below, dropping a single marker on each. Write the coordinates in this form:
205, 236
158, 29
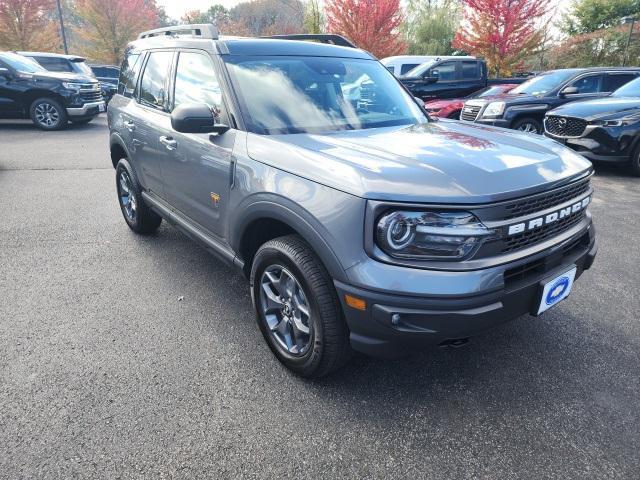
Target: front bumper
601, 144
394, 324
87, 110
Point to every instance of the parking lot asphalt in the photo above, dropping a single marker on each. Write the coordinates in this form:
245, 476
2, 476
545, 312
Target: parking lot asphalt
129, 357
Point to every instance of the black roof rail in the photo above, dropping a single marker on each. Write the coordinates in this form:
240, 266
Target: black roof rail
330, 38
199, 30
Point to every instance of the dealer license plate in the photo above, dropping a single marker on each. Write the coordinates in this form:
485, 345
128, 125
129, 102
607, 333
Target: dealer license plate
556, 290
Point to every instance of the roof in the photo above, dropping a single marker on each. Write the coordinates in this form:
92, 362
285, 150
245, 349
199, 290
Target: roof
265, 47
73, 58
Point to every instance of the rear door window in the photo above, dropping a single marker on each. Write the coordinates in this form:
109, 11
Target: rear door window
54, 64
470, 70
614, 81
153, 85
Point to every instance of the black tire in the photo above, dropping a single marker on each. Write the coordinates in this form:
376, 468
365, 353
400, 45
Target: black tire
48, 114
522, 123
454, 115
140, 218
329, 347
82, 121
634, 164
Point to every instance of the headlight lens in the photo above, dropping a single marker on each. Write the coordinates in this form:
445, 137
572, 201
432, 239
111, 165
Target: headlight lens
617, 123
494, 109
430, 235
71, 85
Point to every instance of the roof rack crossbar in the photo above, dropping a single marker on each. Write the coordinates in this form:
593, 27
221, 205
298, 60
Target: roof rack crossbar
200, 30
330, 38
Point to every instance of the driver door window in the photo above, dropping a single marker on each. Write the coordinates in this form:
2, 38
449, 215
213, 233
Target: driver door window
588, 84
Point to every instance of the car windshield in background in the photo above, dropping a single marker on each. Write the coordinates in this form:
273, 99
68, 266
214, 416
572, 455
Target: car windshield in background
544, 83
20, 63
489, 91
82, 67
420, 69
298, 95
631, 89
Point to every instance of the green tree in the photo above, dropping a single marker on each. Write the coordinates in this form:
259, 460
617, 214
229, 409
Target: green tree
431, 25
587, 16
313, 18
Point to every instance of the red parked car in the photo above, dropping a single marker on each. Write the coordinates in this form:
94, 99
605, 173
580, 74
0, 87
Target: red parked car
452, 107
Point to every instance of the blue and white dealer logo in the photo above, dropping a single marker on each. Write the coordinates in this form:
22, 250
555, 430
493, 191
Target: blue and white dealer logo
557, 290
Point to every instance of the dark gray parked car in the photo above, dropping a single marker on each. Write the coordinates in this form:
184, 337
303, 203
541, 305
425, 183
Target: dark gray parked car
360, 223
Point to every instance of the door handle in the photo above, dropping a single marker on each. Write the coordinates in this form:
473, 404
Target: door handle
168, 142
129, 125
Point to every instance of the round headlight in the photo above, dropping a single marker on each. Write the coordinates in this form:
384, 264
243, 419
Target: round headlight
397, 232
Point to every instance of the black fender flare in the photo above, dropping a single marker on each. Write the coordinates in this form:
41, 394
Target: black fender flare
116, 139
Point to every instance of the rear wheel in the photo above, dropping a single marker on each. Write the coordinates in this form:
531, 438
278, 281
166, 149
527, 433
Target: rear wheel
297, 308
139, 217
48, 114
528, 125
634, 163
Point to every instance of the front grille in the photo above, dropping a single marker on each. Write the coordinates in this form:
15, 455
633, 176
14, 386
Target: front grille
538, 235
564, 126
470, 112
519, 208
93, 96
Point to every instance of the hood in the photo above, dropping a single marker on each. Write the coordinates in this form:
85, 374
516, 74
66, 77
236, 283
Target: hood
64, 77
610, 107
440, 162
442, 103
508, 98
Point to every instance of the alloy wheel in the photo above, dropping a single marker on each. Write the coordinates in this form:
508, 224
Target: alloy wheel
528, 128
47, 114
285, 310
127, 198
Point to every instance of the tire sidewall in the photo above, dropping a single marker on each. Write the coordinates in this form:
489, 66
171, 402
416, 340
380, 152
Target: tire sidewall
532, 121
62, 114
123, 165
310, 360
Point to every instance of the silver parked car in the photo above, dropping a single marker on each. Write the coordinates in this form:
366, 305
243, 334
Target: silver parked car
360, 223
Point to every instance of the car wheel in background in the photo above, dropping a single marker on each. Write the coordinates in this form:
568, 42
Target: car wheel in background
48, 114
139, 217
528, 125
634, 163
297, 308
454, 115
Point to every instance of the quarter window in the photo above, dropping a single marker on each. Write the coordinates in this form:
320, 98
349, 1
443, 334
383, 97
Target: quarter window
153, 86
54, 64
615, 80
196, 82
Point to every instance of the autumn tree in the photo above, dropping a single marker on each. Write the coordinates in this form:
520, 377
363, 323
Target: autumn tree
108, 25
314, 21
373, 25
25, 25
430, 26
586, 16
504, 32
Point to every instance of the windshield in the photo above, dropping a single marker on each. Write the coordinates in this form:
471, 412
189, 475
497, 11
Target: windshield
82, 67
489, 91
420, 69
543, 83
319, 94
20, 63
631, 89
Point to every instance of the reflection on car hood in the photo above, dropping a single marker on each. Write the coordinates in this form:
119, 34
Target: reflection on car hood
443, 103
65, 77
508, 98
441, 161
610, 107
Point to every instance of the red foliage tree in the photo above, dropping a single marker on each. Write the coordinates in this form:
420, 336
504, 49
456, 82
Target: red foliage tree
504, 32
373, 25
24, 25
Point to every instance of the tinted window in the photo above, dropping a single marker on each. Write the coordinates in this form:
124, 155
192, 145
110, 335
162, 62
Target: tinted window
631, 89
196, 81
112, 72
99, 71
391, 69
407, 66
588, 84
446, 71
470, 70
615, 81
153, 86
55, 64
129, 74
20, 63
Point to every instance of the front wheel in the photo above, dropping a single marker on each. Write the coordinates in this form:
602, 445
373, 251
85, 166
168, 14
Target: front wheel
634, 163
297, 308
528, 125
48, 114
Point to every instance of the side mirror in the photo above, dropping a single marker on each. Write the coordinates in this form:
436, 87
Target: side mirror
432, 76
5, 72
195, 118
419, 101
569, 91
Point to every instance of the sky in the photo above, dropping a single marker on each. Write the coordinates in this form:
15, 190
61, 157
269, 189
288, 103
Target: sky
177, 8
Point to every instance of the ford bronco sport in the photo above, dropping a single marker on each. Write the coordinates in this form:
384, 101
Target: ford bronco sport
360, 223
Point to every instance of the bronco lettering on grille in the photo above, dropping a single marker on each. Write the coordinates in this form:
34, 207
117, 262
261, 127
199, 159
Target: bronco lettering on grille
538, 222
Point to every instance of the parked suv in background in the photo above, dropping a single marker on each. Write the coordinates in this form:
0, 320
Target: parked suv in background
450, 77
108, 76
50, 99
360, 225
452, 108
524, 107
606, 129
399, 65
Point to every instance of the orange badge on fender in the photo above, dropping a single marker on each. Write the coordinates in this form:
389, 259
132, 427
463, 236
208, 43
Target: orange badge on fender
215, 198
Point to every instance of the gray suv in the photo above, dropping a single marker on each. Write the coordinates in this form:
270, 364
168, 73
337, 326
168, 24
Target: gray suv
361, 223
